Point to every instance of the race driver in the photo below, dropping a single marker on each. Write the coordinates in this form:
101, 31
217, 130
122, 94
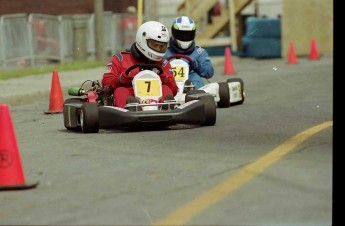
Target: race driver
151, 43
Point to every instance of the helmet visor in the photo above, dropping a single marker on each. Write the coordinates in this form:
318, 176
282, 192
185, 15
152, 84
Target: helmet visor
184, 36
157, 46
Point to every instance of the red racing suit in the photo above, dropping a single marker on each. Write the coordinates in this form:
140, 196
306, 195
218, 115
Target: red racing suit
121, 85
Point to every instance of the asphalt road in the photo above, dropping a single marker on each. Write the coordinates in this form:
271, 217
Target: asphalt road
266, 162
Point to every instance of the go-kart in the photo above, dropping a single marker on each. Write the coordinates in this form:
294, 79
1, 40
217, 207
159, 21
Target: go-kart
94, 109
225, 94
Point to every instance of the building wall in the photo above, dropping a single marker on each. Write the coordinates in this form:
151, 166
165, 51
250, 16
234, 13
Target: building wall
264, 8
61, 7
165, 11
269, 8
304, 20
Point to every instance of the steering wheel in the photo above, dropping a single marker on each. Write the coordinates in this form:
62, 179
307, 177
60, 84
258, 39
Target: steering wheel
145, 67
179, 56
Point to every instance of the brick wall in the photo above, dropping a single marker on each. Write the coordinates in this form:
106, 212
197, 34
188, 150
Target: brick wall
61, 7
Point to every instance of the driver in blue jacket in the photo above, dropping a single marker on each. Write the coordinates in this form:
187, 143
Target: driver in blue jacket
182, 41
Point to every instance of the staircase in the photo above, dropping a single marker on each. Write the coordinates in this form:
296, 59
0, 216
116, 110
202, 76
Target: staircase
197, 9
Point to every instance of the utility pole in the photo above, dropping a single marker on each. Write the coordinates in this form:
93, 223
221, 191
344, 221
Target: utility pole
140, 12
99, 29
232, 16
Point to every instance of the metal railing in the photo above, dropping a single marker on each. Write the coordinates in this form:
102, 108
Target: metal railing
35, 39
15, 39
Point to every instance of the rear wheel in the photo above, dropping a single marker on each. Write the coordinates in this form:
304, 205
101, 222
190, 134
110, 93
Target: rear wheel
242, 88
224, 95
66, 113
89, 118
210, 110
73, 100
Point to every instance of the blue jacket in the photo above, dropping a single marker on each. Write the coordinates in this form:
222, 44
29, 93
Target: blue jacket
196, 53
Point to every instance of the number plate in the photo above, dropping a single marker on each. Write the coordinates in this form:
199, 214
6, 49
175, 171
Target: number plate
179, 73
147, 88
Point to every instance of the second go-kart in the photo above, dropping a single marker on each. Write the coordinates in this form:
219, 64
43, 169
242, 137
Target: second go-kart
225, 94
93, 110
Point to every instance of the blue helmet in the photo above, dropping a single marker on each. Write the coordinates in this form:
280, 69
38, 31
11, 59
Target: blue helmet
183, 31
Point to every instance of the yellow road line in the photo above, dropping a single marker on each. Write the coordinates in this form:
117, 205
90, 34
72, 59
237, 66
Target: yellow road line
187, 212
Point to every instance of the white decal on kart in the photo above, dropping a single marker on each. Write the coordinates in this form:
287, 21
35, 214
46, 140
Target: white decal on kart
187, 104
117, 108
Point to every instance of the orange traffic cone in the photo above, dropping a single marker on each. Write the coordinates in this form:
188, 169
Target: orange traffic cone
292, 58
11, 172
314, 54
228, 65
56, 97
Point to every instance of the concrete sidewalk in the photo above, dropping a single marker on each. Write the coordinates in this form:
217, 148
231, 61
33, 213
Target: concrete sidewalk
32, 88
36, 87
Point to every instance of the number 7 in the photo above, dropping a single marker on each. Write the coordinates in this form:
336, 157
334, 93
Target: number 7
148, 86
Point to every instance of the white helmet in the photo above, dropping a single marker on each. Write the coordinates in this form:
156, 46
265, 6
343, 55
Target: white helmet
152, 40
183, 31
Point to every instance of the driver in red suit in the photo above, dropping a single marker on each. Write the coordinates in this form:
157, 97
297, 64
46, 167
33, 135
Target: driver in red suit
150, 47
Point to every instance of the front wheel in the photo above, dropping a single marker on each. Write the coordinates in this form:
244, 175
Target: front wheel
89, 118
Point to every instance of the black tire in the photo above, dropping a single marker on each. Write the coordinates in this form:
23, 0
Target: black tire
210, 110
224, 95
73, 100
89, 118
242, 88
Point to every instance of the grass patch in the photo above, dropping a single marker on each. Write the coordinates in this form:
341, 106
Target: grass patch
76, 65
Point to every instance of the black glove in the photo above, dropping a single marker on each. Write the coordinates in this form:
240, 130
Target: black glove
194, 65
107, 90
